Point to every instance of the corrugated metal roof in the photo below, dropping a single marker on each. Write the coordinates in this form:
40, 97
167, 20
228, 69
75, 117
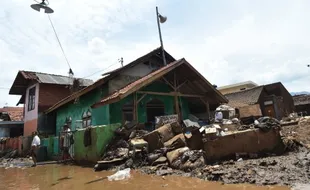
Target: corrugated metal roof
58, 79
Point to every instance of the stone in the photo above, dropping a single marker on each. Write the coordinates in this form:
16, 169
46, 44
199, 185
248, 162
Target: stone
160, 160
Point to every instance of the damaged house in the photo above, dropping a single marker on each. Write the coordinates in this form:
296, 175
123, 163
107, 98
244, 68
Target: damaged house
138, 91
302, 104
38, 92
266, 100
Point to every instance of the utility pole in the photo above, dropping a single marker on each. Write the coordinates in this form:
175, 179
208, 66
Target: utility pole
161, 19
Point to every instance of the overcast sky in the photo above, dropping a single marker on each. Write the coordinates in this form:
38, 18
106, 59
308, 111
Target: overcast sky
228, 41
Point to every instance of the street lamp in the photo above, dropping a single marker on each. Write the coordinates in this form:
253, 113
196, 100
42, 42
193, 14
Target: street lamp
161, 19
43, 5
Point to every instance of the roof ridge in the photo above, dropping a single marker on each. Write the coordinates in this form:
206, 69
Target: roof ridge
35, 72
261, 86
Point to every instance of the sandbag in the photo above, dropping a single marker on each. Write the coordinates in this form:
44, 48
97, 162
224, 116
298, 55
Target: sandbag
165, 132
175, 154
177, 141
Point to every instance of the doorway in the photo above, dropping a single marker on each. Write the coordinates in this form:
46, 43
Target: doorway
269, 111
154, 108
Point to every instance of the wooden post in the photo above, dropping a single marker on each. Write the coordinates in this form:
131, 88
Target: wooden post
208, 109
207, 106
135, 107
176, 99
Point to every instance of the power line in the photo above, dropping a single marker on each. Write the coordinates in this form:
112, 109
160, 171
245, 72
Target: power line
59, 41
100, 70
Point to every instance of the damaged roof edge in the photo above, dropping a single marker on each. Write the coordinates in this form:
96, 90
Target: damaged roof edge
136, 85
101, 81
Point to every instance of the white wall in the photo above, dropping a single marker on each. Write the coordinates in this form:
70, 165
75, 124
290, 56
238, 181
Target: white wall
33, 114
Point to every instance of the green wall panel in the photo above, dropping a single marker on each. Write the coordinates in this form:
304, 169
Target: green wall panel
100, 137
76, 110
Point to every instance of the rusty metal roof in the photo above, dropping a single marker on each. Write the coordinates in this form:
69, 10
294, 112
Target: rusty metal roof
146, 80
53, 79
23, 79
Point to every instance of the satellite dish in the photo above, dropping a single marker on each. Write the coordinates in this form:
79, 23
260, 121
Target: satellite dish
43, 5
162, 19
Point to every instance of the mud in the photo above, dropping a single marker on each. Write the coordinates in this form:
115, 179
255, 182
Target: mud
74, 177
289, 170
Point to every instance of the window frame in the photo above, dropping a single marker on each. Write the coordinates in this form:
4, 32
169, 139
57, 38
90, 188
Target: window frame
86, 119
31, 98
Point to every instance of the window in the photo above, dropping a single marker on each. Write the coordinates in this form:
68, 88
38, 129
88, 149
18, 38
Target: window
86, 119
31, 99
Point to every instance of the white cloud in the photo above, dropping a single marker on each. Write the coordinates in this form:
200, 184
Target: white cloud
262, 41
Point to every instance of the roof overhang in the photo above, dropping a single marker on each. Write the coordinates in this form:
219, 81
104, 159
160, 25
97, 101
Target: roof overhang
146, 80
11, 123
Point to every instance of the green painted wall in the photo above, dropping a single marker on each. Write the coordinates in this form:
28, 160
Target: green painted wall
100, 137
75, 111
116, 108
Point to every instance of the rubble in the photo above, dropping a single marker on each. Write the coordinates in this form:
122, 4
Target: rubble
173, 149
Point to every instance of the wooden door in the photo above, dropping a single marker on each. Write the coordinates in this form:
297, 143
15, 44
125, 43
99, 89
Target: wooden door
269, 111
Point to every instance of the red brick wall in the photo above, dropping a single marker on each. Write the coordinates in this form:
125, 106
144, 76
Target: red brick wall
30, 126
50, 94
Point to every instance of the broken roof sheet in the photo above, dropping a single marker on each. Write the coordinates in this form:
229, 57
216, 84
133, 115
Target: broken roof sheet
244, 97
144, 81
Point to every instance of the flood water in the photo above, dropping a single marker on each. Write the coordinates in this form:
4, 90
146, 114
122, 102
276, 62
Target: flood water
74, 177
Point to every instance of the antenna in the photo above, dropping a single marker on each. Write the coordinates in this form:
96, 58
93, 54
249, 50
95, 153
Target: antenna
121, 60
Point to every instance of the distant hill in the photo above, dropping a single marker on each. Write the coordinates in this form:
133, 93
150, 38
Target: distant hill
298, 93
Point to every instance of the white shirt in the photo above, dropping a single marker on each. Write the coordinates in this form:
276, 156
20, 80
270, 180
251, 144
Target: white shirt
35, 141
67, 138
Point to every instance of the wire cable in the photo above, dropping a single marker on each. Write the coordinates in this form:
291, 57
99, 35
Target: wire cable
49, 18
100, 70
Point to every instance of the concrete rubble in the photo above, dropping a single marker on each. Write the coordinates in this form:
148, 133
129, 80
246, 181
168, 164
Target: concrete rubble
218, 152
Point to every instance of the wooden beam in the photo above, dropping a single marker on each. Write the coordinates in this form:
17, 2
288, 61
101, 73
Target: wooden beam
178, 87
176, 98
167, 82
171, 94
139, 100
207, 106
135, 111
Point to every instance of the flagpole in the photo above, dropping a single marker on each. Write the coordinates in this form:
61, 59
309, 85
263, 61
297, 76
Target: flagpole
160, 37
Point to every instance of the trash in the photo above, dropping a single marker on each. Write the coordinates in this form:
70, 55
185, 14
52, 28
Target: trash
227, 122
235, 120
120, 175
240, 160
189, 123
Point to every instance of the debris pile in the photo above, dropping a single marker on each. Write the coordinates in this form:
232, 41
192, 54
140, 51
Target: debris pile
179, 149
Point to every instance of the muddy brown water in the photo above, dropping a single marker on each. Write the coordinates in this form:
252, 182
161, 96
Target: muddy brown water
74, 177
